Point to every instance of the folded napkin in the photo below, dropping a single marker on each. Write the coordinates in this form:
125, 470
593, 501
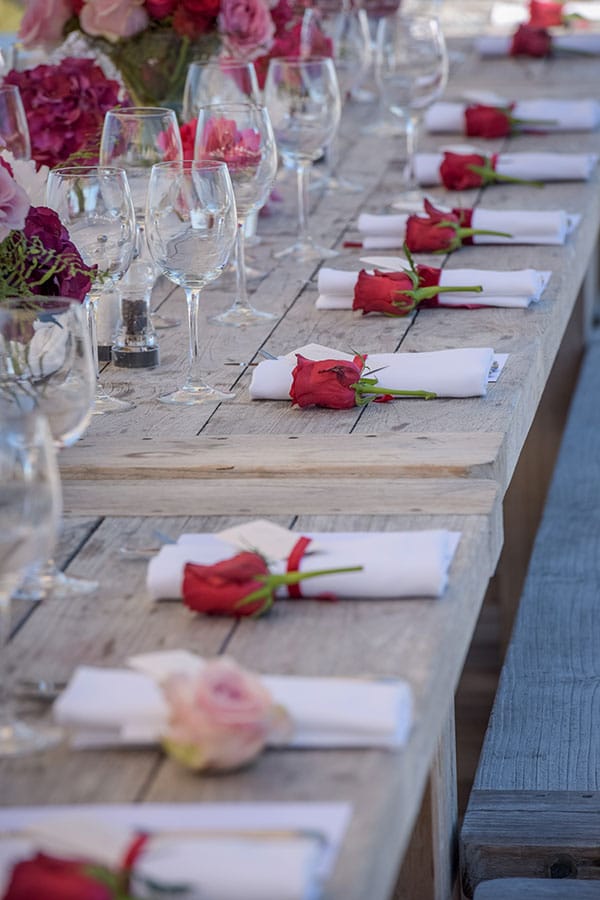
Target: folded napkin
552, 115
395, 564
217, 850
509, 289
552, 226
106, 707
529, 166
581, 42
510, 14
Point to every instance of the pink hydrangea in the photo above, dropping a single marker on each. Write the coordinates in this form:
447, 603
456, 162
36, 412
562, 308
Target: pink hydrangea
44, 21
247, 27
113, 19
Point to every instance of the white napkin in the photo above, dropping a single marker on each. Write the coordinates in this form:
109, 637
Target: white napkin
386, 232
395, 564
529, 166
518, 288
581, 42
216, 849
556, 115
512, 14
325, 712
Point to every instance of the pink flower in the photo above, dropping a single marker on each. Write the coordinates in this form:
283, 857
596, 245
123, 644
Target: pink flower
159, 9
44, 21
222, 140
247, 27
220, 719
113, 19
14, 204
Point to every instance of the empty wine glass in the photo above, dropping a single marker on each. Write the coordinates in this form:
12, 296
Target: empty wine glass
413, 68
219, 81
46, 365
240, 135
14, 130
303, 99
30, 509
191, 225
95, 204
135, 138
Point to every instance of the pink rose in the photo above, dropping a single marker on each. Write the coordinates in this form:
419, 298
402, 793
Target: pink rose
247, 27
44, 21
14, 204
221, 718
113, 19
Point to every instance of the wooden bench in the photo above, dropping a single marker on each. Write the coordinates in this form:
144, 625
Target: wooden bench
536, 889
534, 811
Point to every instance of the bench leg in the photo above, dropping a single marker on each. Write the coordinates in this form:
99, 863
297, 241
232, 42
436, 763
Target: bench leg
429, 869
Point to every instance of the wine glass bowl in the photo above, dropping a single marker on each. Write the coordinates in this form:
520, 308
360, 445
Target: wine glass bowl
14, 130
219, 81
191, 223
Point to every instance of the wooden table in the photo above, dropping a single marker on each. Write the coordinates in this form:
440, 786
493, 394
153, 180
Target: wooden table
413, 464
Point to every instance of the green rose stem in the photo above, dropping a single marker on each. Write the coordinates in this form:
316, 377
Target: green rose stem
370, 386
489, 176
426, 293
270, 583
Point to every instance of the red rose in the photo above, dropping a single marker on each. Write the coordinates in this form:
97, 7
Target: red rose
326, 382
73, 278
160, 9
195, 17
487, 121
77, 6
383, 292
429, 276
456, 173
47, 878
465, 220
220, 588
544, 14
429, 235
530, 41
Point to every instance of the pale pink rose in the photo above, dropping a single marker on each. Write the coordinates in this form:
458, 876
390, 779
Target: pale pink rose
221, 718
247, 28
113, 19
44, 21
14, 204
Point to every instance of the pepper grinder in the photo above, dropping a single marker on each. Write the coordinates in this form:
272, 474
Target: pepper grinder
135, 345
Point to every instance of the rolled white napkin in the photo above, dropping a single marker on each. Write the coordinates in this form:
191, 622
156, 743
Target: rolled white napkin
507, 289
99, 705
215, 849
447, 373
499, 45
552, 226
511, 14
395, 564
553, 115
529, 166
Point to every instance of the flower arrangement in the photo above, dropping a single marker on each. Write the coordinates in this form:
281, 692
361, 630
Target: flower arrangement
65, 106
36, 253
152, 42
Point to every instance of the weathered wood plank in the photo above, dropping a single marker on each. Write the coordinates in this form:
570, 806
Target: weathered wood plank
537, 889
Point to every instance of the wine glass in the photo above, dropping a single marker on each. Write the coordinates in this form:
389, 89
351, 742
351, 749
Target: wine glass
219, 81
14, 130
46, 365
95, 205
240, 135
191, 226
303, 99
30, 509
135, 138
413, 68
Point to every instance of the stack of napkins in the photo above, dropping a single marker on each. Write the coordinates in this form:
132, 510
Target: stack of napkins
395, 564
528, 166
552, 115
578, 42
552, 226
120, 707
518, 288
460, 372
221, 851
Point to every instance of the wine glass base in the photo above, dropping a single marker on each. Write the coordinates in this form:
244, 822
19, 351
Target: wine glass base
104, 404
242, 315
340, 183
306, 251
382, 128
51, 581
194, 394
18, 738
410, 201
161, 322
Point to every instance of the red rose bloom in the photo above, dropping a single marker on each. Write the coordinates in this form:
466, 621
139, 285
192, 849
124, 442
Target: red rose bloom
428, 234
544, 14
220, 588
73, 279
326, 382
47, 878
487, 121
383, 292
160, 9
195, 17
530, 41
429, 276
456, 173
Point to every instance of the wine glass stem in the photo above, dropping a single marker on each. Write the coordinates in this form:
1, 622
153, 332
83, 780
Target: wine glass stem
92, 309
302, 175
412, 137
192, 295
6, 696
332, 156
241, 293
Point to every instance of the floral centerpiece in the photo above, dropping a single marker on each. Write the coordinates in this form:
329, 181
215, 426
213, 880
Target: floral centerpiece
152, 42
